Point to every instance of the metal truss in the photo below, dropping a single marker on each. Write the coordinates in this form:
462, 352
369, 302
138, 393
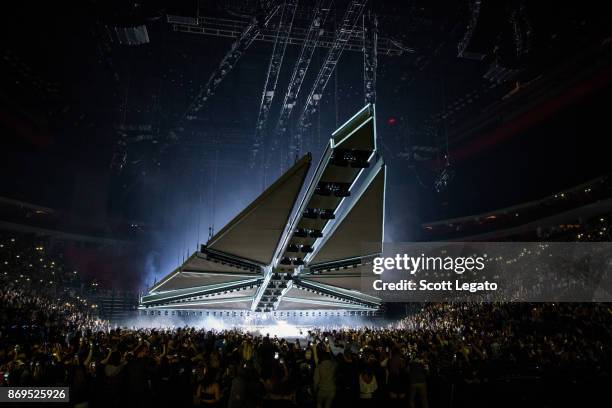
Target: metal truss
370, 57
337, 294
276, 61
471, 27
119, 158
232, 28
343, 34
245, 39
299, 73
126, 135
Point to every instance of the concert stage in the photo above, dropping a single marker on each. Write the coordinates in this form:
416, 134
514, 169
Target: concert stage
293, 252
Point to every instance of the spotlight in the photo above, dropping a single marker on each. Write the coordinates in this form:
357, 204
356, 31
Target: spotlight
311, 213
327, 214
315, 234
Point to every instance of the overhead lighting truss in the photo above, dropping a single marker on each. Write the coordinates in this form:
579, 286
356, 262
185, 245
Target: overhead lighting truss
276, 61
244, 41
370, 57
343, 34
232, 28
299, 72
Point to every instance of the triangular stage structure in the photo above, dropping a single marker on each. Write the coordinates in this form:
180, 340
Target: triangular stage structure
363, 219
281, 255
254, 233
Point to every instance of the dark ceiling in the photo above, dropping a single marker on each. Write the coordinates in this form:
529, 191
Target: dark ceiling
512, 94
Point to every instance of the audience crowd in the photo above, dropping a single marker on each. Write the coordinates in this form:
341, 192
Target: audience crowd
442, 355
34, 262
439, 355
